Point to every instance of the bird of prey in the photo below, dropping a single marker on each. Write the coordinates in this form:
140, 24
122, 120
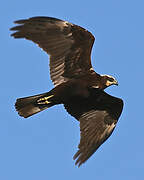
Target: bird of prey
76, 85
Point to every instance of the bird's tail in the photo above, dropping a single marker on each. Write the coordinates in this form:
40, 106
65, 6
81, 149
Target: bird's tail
28, 106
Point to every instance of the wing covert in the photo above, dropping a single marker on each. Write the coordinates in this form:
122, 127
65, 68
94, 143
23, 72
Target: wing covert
98, 116
68, 45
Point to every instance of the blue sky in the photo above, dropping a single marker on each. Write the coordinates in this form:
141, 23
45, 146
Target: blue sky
42, 147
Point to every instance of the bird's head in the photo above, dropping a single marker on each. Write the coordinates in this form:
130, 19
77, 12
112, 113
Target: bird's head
109, 80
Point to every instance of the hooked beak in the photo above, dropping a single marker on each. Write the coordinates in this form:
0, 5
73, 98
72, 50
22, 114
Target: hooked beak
115, 82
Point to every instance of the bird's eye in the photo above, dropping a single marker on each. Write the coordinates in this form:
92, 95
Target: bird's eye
111, 79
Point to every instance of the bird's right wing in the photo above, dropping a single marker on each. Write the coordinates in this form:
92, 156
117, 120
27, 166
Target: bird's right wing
98, 116
68, 45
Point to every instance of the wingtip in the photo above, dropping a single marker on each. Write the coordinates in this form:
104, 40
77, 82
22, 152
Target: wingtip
78, 163
21, 21
76, 157
15, 28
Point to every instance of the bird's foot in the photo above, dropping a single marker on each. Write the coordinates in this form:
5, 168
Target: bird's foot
44, 100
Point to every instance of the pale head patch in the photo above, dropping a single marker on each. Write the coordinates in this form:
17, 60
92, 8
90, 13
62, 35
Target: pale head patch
108, 76
110, 80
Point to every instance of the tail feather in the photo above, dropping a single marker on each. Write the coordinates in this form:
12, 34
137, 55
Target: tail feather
29, 106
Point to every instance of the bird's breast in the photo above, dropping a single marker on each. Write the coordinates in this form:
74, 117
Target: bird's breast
72, 89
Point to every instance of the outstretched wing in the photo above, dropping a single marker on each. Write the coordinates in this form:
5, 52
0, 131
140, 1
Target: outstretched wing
68, 45
98, 116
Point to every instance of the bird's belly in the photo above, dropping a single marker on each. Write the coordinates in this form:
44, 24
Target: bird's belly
70, 90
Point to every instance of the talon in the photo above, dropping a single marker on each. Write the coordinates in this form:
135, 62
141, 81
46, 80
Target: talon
44, 102
47, 102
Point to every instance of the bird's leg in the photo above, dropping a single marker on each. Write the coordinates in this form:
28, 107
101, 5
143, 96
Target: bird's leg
44, 100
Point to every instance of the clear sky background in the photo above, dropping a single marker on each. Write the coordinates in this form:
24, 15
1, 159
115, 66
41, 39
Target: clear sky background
41, 147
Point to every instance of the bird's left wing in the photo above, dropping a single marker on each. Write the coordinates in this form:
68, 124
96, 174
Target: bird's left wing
98, 116
68, 45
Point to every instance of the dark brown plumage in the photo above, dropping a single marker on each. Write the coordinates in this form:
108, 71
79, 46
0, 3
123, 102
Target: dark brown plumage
77, 85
